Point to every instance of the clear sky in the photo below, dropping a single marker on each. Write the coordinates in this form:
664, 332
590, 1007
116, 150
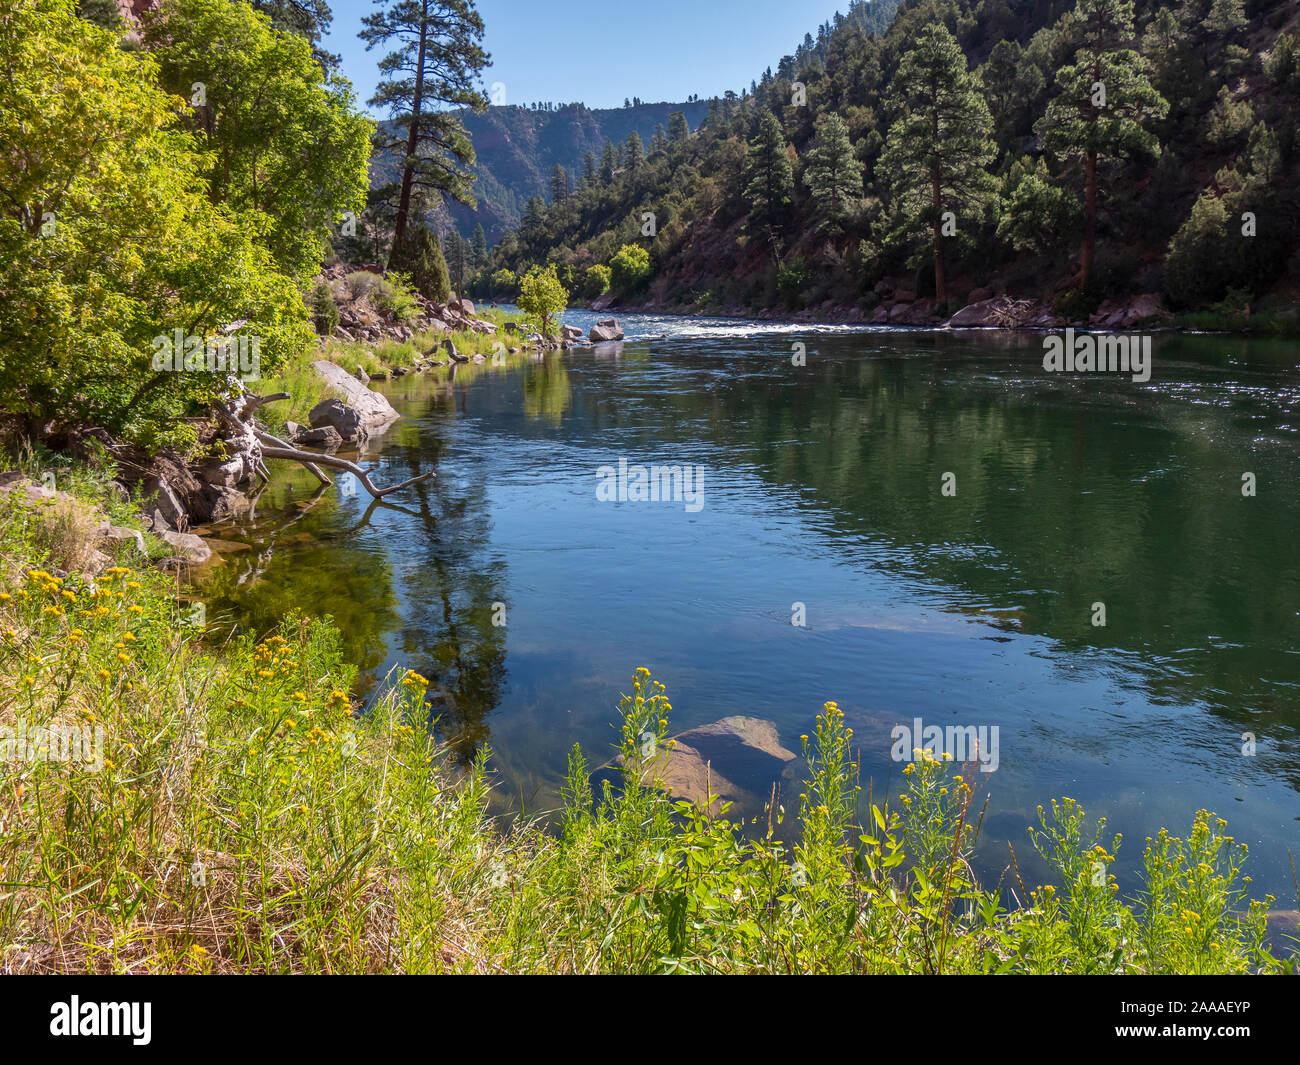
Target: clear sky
600, 51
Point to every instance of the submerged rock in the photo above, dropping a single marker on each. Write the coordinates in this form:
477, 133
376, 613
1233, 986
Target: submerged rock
718, 757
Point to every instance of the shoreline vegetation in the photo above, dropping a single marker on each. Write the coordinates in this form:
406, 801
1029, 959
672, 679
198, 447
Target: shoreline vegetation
242, 814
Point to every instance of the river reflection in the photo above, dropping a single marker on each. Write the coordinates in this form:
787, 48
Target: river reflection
528, 603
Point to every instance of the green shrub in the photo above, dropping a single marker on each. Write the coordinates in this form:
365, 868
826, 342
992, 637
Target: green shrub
596, 281
325, 312
629, 269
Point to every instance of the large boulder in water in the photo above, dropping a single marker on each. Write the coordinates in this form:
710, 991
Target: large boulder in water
374, 409
607, 329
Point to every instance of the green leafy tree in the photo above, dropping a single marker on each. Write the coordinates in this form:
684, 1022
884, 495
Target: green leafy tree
542, 297
938, 148
432, 70
629, 269
1037, 212
310, 19
1197, 266
1013, 87
503, 281
833, 176
279, 138
1104, 108
769, 183
110, 243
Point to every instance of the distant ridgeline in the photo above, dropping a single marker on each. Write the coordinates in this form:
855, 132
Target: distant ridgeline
520, 143
811, 188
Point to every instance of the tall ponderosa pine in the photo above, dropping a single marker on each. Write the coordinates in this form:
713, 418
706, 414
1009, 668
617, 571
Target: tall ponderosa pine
833, 176
769, 183
678, 128
608, 162
633, 152
559, 184
1105, 104
436, 61
937, 151
478, 241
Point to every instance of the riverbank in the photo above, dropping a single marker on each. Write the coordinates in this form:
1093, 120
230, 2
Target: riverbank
1003, 313
208, 808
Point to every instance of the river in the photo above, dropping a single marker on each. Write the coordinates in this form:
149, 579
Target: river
529, 601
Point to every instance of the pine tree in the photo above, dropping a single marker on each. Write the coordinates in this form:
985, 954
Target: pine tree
1105, 104
478, 241
937, 151
678, 128
633, 152
421, 258
833, 175
559, 184
769, 182
589, 171
608, 162
437, 60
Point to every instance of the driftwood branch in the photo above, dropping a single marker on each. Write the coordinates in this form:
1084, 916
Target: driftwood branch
239, 415
308, 458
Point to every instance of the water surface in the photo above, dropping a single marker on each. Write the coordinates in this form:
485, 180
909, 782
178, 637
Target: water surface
822, 487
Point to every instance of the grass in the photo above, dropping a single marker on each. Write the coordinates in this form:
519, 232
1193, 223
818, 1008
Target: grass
306, 388
246, 817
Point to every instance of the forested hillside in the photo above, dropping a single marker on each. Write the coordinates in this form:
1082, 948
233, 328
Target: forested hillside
1066, 152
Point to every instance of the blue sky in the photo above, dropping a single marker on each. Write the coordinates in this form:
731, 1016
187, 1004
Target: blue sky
600, 51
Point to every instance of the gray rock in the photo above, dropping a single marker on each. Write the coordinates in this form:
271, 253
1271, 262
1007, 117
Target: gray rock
976, 315
325, 436
118, 536
227, 472
188, 546
607, 329
362, 376
345, 420
166, 502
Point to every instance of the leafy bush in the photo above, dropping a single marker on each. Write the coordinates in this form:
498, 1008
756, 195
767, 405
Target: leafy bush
325, 312
789, 281
596, 281
629, 269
